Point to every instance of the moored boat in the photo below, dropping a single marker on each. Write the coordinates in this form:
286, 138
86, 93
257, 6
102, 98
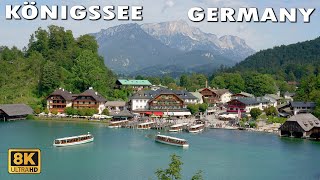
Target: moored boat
73, 140
177, 127
117, 124
146, 125
196, 128
171, 140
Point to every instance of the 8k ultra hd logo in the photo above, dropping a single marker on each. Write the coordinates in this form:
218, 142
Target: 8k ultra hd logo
24, 161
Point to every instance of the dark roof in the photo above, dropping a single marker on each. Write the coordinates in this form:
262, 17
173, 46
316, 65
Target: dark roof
94, 94
289, 94
257, 100
274, 96
150, 94
303, 104
124, 113
306, 121
16, 109
68, 96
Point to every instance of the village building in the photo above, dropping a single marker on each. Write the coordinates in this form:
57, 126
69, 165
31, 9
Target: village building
302, 107
275, 99
198, 96
59, 100
215, 96
121, 115
115, 106
136, 85
289, 96
9, 112
242, 95
245, 105
162, 102
89, 99
301, 126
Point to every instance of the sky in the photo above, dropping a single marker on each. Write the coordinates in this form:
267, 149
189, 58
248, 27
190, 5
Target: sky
257, 35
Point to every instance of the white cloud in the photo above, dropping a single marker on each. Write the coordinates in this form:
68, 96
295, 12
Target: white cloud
168, 4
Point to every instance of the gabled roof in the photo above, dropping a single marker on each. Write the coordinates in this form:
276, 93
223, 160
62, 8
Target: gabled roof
244, 94
303, 104
94, 94
249, 101
16, 109
197, 95
68, 96
274, 96
116, 103
289, 94
221, 92
306, 121
134, 82
124, 113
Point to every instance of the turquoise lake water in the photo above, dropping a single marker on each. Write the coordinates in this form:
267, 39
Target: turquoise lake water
133, 154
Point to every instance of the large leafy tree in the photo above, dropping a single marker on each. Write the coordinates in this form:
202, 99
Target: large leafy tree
50, 77
232, 81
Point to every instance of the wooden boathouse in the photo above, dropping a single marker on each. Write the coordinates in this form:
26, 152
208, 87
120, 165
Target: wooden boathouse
301, 126
10, 112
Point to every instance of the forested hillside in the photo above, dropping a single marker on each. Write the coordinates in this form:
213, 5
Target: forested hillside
291, 62
53, 58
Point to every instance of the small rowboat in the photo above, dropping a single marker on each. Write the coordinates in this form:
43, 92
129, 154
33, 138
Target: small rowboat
73, 140
171, 141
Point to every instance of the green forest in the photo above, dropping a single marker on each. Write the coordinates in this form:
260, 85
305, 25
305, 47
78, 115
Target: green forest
54, 58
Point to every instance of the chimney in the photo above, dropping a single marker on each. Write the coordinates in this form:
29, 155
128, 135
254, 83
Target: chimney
206, 83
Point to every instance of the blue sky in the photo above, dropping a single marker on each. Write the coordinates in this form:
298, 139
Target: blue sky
257, 35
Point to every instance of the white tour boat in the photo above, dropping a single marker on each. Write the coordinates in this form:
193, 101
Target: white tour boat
171, 140
117, 124
177, 127
74, 140
196, 128
146, 125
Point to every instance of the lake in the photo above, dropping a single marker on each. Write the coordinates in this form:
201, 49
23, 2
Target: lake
133, 154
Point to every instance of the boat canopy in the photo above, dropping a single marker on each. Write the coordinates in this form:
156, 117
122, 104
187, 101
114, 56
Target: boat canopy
170, 137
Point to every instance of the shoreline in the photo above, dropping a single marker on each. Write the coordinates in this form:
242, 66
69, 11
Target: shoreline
105, 122
73, 120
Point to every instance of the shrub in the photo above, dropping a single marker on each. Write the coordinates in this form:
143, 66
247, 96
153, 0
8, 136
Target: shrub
255, 112
106, 112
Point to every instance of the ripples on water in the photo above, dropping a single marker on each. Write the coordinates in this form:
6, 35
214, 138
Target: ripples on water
133, 154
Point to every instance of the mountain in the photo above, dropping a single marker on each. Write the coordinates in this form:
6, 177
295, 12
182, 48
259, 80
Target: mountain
173, 47
178, 34
292, 61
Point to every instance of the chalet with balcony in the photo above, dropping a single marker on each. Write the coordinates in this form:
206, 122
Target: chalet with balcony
166, 101
162, 102
214, 96
59, 100
246, 104
90, 99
